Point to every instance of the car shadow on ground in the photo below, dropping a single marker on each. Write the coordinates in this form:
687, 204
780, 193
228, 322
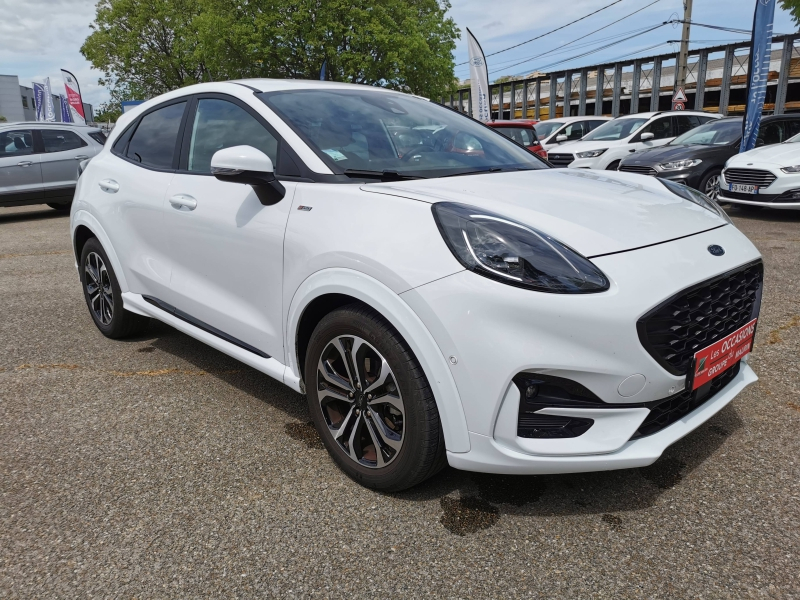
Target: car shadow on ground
16, 214
474, 501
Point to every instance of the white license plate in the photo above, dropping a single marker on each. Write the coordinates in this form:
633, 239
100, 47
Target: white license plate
743, 189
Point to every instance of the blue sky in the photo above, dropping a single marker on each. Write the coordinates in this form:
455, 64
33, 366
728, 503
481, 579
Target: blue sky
39, 37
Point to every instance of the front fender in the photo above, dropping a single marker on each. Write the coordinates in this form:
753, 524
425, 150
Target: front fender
404, 319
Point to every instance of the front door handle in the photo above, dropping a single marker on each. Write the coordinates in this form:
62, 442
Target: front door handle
25, 163
183, 202
108, 185
81, 157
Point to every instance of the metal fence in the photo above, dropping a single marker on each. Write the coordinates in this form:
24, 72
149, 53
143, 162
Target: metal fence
716, 81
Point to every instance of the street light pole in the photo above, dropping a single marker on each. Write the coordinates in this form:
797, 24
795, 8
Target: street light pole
683, 56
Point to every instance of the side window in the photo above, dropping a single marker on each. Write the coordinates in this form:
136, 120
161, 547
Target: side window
770, 133
153, 143
591, 125
57, 140
660, 128
684, 123
98, 136
221, 124
792, 128
18, 142
574, 131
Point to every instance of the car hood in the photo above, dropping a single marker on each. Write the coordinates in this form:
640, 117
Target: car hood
594, 212
785, 155
654, 156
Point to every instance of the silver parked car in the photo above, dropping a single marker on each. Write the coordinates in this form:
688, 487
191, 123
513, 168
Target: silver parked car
39, 161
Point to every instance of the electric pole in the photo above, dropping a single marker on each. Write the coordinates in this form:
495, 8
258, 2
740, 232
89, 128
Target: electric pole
683, 57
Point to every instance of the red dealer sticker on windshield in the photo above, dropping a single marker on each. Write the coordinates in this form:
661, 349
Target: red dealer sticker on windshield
723, 354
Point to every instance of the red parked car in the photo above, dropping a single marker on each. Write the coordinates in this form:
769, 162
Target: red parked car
521, 132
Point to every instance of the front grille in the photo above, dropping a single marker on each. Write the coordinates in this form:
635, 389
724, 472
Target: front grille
678, 406
637, 169
700, 315
560, 160
757, 177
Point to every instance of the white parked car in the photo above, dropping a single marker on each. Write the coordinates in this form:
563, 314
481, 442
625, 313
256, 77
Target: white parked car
554, 132
766, 176
606, 146
454, 301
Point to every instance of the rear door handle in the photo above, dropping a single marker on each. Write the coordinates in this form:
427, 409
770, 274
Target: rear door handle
81, 157
25, 163
183, 202
108, 185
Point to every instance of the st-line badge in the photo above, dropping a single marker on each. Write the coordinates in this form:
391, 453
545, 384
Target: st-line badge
723, 354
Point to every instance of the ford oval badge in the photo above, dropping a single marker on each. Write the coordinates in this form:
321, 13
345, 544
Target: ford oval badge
716, 250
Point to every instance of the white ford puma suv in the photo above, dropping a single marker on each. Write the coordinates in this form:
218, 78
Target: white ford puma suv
435, 290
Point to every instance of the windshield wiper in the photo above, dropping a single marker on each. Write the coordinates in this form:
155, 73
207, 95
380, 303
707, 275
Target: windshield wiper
382, 175
489, 170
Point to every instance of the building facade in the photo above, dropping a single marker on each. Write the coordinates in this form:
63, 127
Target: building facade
17, 102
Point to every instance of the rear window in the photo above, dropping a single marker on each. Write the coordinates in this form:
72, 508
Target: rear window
521, 135
98, 136
154, 141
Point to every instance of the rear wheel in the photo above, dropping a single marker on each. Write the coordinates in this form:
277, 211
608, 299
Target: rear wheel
104, 297
371, 402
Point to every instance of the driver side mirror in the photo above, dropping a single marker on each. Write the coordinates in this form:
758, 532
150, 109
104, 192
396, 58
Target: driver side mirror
648, 135
561, 138
248, 166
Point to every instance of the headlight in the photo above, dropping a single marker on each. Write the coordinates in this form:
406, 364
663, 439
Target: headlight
501, 249
698, 198
680, 164
794, 169
591, 153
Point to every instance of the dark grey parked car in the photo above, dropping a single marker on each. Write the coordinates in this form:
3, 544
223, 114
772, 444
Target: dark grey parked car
696, 158
39, 161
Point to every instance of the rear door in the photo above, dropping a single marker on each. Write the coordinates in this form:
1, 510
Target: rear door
63, 151
20, 168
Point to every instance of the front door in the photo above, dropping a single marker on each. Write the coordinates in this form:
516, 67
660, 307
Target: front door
226, 247
63, 151
20, 169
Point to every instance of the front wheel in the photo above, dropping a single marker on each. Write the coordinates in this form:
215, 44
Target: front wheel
371, 402
613, 166
104, 297
709, 185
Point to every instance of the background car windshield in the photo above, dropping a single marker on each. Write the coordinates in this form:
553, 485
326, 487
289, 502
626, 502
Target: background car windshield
618, 129
379, 131
521, 135
546, 128
715, 133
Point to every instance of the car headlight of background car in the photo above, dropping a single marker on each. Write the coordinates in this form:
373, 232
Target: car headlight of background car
680, 164
502, 249
698, 198
792, 169
591, 153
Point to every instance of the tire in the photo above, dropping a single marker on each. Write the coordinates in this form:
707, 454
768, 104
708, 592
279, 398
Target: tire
709, 184
388, 446
613, 166
60, 207
105, 305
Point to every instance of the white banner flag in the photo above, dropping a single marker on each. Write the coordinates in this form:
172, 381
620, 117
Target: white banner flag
74, 98
49, 107
479, 80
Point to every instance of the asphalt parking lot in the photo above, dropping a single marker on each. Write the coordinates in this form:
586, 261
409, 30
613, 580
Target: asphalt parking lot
159, 467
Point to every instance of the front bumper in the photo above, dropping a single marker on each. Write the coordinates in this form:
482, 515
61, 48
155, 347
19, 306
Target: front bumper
491, 331
772, 196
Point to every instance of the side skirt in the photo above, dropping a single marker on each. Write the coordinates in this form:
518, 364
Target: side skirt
203, 332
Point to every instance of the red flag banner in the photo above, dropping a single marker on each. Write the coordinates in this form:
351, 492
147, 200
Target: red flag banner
74, 97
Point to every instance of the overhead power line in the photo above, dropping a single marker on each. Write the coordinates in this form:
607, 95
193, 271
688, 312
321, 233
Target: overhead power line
538, 37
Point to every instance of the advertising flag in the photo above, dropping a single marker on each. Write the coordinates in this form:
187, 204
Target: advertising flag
758, 72
74, 97
65, 116
49, 107
38, 98
479, 80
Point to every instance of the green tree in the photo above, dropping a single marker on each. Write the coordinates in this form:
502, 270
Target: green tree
3, 119
147, 47
793, 8
504, 78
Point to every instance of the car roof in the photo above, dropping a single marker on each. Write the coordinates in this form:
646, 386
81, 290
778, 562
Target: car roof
649, 115
571, 119
48, 124
525, 123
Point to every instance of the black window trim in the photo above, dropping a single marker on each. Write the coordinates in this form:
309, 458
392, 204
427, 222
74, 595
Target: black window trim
130, 131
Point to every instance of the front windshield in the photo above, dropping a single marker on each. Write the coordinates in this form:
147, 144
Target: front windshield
713, 133
618, 129
546, 128
378, 131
